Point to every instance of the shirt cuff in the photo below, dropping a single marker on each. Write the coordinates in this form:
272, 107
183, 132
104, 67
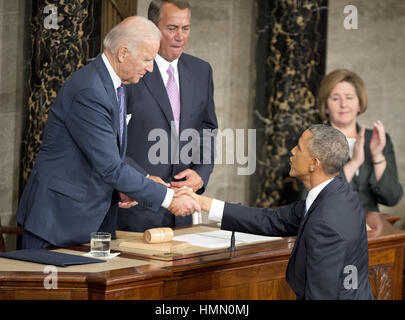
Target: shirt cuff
168, 199
216, 210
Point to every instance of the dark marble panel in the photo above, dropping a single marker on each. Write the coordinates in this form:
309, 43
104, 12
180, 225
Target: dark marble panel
56, 54
290, 61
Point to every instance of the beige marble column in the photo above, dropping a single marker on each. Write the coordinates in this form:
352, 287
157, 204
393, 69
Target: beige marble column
14, 47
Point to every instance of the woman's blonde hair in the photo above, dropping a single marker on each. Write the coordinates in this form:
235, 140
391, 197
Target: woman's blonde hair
331, 80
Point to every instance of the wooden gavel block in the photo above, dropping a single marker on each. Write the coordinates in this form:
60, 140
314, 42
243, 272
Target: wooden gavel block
158, 235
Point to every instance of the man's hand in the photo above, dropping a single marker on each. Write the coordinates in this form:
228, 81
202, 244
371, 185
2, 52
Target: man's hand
126, 202
193, 180
159, 180
203, 201
183, 205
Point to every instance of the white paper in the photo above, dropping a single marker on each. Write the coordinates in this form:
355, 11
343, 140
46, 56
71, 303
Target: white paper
221, 238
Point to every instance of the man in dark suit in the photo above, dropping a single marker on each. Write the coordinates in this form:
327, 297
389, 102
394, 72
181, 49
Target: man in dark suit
80, 163
330, 255
169, 110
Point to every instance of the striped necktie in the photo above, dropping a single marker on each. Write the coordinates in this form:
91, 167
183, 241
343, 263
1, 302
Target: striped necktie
121, 101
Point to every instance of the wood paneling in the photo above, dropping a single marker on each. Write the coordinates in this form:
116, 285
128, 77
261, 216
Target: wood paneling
114, 11
251, 272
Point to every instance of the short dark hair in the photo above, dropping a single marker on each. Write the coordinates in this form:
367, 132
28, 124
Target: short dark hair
155, 6
330, 146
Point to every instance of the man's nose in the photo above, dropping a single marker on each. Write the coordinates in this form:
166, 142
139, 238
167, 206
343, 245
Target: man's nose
179, 35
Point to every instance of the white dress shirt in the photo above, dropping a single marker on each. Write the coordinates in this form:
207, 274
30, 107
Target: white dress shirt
313, 193
217, 206
117, 82
163, 65
352, 142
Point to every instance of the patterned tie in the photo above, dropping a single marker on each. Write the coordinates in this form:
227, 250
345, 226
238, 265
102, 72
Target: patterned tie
121, 101
174, 96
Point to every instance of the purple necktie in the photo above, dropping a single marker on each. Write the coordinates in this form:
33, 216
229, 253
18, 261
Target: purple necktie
174, 96
121, 98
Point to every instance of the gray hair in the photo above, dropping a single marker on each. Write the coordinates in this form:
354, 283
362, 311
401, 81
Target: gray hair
131, 32
154, 11
330, 146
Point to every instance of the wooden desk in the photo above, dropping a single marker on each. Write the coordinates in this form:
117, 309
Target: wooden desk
251, 272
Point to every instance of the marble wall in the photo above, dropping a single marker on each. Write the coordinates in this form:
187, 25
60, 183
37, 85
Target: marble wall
376, 52
223, 33
14, 53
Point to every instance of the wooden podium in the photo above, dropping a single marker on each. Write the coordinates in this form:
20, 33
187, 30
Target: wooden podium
255, 271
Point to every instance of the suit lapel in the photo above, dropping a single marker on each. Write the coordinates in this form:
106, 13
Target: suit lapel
156, 87
111, 92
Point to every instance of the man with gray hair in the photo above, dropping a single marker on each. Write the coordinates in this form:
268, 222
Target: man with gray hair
80, 173
330, 255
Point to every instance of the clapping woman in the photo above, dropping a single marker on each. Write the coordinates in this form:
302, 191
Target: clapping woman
371, 170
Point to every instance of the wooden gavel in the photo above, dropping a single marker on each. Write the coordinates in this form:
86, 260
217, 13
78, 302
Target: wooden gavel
157, 235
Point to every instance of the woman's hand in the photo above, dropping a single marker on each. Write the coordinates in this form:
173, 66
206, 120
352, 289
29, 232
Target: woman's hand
377, 142
358, 150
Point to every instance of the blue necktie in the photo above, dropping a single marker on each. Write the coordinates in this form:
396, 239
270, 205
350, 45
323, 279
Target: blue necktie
121, 101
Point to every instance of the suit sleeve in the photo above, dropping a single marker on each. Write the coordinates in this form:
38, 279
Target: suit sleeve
325, 258
388, 191
89, 122
210, 124
280, 222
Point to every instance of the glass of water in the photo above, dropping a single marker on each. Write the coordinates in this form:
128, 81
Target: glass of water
100, 244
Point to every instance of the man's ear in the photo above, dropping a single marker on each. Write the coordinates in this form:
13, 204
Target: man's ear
315, 165
122, 53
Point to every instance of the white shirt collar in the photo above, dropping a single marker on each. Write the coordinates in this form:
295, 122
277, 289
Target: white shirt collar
314, 192
114, 77
163, 64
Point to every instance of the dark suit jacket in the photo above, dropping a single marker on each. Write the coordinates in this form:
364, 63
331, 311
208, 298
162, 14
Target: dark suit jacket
330, 237
151, 112
80, 163
387, 191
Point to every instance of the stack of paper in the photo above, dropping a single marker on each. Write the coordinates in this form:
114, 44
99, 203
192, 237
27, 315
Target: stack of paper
221, 238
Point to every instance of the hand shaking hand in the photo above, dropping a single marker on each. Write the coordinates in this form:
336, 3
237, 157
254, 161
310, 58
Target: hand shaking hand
183, 203
203, 201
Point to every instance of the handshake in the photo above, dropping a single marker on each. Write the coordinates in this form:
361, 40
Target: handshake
185, 201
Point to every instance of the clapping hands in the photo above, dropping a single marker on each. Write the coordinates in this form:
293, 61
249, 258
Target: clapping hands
378, 141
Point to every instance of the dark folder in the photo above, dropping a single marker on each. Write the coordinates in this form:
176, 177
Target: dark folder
48, 257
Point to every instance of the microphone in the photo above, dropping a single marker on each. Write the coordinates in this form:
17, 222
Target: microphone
232, 247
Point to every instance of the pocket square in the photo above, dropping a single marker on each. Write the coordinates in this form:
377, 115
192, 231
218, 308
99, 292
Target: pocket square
129, 117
